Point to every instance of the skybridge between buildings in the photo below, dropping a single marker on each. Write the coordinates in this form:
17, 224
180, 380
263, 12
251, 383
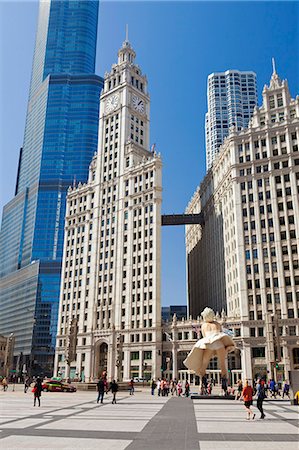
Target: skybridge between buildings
182, 219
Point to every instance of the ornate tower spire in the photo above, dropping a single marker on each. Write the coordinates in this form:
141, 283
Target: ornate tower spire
273, 65
126, 53
275, 81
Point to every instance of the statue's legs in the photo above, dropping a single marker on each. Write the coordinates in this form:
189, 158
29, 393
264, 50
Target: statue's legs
207, 355
199, 360
221, 354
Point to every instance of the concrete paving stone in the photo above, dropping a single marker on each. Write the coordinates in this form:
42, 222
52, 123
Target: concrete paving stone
238, 445
291, 415
39, 442
244, 426
141, 422
6, 419
65, 412
23, 423
95, 425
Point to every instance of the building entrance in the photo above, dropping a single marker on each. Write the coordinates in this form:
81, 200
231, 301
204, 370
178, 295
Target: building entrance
101, 359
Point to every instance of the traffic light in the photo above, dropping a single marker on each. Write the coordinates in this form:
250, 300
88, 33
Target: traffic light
277, 365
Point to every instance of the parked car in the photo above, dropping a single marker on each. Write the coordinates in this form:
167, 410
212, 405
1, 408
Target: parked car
57, 386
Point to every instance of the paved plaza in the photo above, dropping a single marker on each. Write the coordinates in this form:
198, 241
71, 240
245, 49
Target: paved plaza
141, 422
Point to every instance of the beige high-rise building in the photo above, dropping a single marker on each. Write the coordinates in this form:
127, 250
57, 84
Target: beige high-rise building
111, 265
245, 258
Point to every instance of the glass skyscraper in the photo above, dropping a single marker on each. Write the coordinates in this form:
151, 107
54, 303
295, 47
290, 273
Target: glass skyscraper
61, 134
232, 96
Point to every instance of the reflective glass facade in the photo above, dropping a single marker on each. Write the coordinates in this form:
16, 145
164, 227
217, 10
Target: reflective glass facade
60, 139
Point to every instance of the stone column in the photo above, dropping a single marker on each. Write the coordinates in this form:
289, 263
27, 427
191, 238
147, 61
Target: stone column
286, 360
78, 364
140, 363
87, 372
67, 369
157, 361
126, 365
174, 362
56, 366
246, 361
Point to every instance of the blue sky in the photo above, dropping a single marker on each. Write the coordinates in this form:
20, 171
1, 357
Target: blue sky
177, 44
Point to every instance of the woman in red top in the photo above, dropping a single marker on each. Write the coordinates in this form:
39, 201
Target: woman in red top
247, 395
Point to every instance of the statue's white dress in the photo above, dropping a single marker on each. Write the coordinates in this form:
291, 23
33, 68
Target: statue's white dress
212, 341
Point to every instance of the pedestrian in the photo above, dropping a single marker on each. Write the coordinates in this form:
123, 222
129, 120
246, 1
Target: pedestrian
153, 387
173, 387
113, 388
162, 385
204, 385
286, 389
166, 387
159, 386
4, 384
247, 394
26, 384
180, 388
210, 388
239, 389
131, 386
14, 381
37, 390
272, 388
101, 390
261, 395
187, 388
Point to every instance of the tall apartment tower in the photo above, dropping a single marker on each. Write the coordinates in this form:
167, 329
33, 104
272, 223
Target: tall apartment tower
250, 201
110, 287
232, 96
60, 138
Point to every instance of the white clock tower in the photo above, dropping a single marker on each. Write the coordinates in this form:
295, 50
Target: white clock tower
117, 298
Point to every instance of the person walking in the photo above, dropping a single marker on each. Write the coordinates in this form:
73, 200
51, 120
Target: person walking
113, 388
272, 388
261, 395
187, 388
153, 387
131, 386
247, 395
101, 390
286, 389
239, 389
4, 384
180, 388
26, 384
159, 387
37, 390
173, 387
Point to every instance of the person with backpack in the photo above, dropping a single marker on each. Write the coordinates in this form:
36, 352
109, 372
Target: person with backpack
113, 388
37, 391
261, 395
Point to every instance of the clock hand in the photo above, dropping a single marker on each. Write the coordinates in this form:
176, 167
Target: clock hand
139, 102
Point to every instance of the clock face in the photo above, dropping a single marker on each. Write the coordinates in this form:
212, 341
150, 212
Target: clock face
111, 103
138, 104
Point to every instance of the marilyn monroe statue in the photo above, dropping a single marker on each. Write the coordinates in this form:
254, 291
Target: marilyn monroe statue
214, 343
